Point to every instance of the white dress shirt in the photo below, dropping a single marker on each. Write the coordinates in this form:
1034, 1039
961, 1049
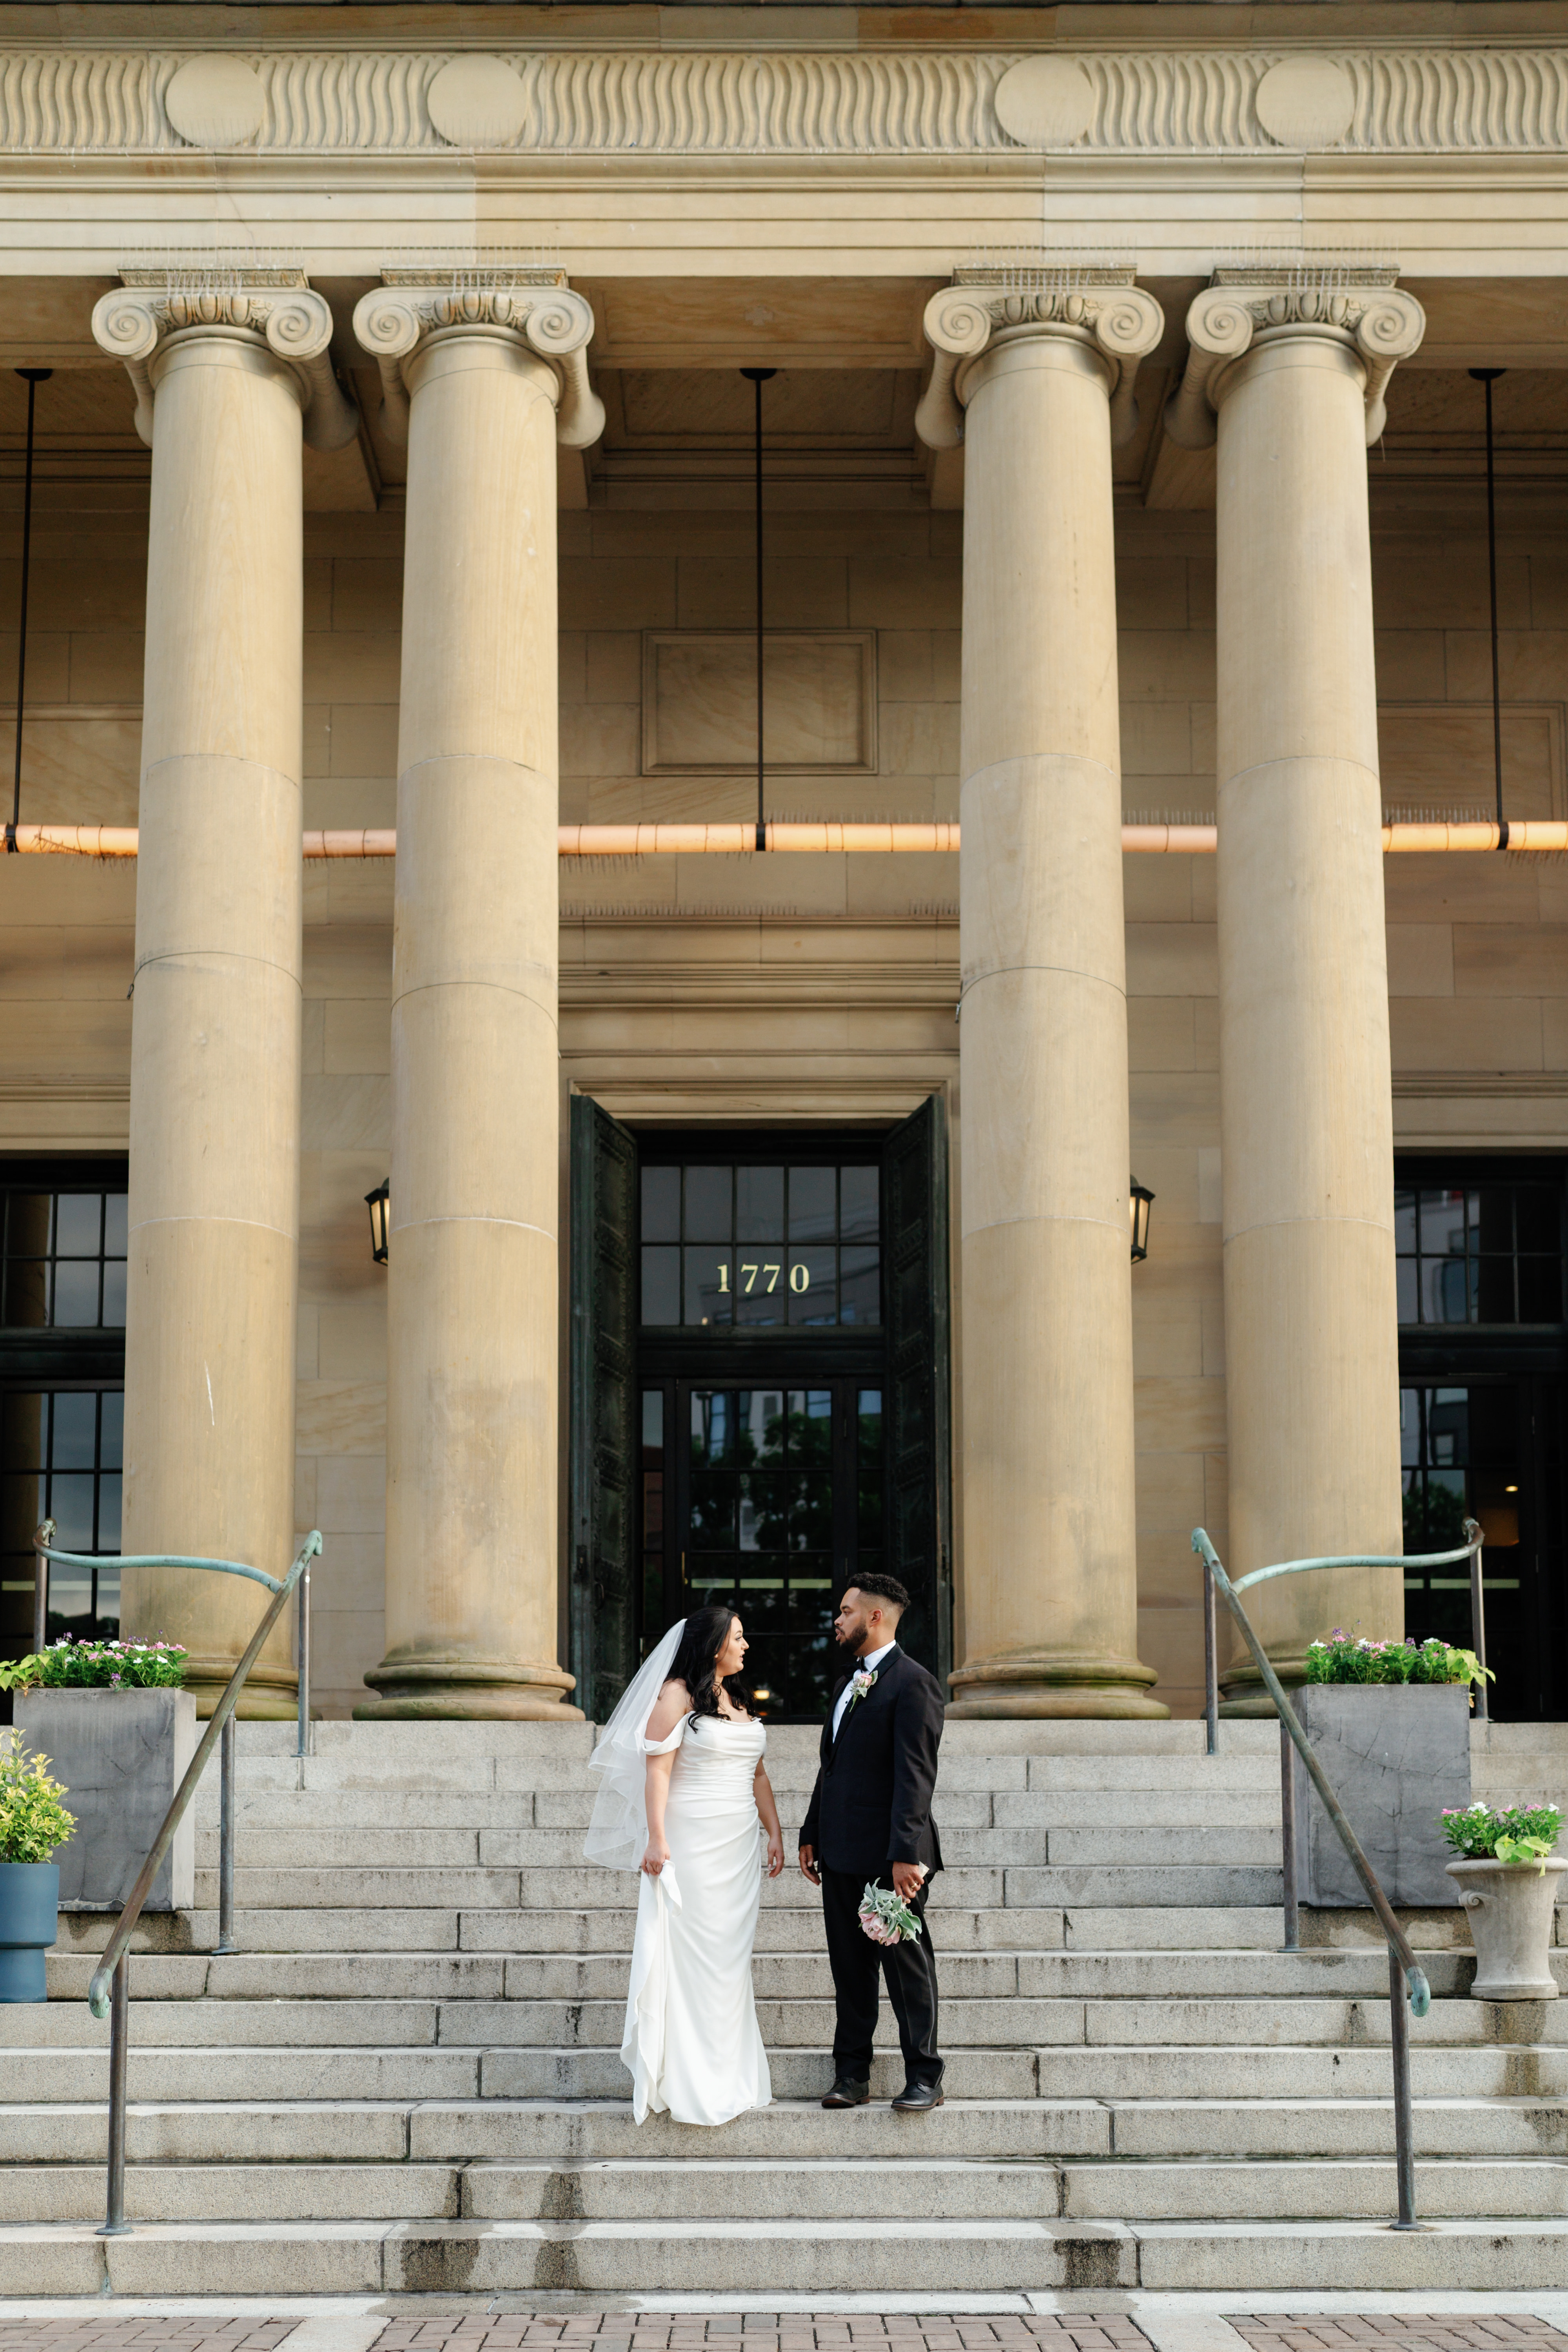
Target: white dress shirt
861, 1667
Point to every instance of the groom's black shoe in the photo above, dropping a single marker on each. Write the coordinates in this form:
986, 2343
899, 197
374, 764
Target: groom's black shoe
917, 2098
847, 2093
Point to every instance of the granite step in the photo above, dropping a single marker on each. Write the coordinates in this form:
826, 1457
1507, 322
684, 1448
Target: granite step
803, 1975
1015, 2021
776, 2256
464, 2131
320, 1928
905, 2188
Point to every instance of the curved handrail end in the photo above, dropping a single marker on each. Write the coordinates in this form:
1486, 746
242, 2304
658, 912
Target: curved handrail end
1420, 1992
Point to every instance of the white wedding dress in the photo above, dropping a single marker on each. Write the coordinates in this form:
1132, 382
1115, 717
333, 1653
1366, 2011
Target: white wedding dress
692, 2043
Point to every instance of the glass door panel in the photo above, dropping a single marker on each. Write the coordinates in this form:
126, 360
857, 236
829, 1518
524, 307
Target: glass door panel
762, 1500
1472, 1450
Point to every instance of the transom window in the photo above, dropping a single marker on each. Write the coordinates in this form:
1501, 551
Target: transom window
732, 1246
64, 1260
1480, 1253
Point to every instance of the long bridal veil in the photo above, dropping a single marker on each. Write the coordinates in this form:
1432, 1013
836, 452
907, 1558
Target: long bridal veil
617, 1828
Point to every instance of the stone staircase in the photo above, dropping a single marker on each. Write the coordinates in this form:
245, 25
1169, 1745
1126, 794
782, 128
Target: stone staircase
407, 2078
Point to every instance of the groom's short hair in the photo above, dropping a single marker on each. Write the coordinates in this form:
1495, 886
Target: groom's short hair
882, 1588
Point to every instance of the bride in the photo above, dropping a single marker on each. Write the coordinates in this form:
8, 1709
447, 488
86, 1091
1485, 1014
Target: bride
683, 1790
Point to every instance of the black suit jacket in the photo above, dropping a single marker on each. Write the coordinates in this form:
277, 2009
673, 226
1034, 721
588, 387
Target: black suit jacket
871, 1804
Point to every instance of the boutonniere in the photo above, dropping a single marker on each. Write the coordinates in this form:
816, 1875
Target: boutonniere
858, 1688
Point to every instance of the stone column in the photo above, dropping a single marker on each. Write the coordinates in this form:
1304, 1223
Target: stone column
1050, 1573
1296, 369
487, 379
223, 373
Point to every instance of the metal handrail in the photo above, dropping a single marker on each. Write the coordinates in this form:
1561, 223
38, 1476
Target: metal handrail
44, 1551
107, 1994
1405, 1976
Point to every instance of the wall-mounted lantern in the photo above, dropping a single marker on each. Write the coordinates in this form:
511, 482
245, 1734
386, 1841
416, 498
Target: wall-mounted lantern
1139, 1198
379, 1204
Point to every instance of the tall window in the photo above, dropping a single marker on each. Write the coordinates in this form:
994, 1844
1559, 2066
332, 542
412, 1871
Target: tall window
1483, 1349
62, 1367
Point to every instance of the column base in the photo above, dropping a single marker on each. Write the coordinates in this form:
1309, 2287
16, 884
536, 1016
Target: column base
485, 1690
271, 1693
1035, 1684
1242, 1695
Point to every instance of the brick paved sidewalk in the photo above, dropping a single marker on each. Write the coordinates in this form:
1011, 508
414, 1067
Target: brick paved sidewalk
521, 2331
1433, 2331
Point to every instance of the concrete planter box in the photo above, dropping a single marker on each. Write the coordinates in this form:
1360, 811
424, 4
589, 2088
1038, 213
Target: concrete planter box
121, 1755
1394, 1754
29, 1921
1510, 1906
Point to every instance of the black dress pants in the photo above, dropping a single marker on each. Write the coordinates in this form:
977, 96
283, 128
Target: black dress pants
857, 1964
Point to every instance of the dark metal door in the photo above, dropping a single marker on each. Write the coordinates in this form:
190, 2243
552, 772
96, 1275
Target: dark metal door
603, 1437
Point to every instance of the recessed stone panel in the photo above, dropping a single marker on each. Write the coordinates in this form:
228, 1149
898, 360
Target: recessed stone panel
700, 701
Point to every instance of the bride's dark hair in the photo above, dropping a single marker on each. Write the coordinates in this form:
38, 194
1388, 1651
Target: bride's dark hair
705, 1633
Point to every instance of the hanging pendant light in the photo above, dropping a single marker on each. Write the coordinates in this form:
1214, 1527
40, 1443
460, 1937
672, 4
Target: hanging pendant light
32, 378
756, 378
1487, 377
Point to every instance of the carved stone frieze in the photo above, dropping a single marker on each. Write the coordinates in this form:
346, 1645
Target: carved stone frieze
1439, 97
536, 306
1100, 306
277, 307
1361, 309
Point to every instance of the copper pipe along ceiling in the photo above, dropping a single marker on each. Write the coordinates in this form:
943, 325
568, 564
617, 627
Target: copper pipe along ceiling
1537, 834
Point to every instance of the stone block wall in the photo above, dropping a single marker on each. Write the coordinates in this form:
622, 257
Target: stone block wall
804, 985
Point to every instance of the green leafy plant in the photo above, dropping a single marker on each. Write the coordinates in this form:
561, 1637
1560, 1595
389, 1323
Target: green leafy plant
1518, 1833
33, 1821
1342, 1657
67, 1665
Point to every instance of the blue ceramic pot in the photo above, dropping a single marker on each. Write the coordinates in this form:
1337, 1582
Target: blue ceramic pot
29, 1922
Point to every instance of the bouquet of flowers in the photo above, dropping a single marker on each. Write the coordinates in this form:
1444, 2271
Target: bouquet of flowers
885, 1918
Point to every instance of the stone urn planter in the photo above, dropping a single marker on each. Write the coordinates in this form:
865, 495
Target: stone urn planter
120, 1754
1509, 1909
1395, 1755
29, 1919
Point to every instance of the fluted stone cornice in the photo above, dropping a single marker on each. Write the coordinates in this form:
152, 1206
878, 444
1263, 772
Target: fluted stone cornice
1431, 100
1364, 309
536, 306
275, 307
1100, 306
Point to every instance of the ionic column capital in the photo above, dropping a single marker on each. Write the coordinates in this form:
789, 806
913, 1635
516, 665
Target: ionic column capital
1245, 310
1106, 311
275, 311
537, 309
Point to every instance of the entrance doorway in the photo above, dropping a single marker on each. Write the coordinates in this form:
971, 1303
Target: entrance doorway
769, 1498
759, 1393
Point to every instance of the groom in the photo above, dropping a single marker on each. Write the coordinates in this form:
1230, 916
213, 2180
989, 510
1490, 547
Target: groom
869, 1818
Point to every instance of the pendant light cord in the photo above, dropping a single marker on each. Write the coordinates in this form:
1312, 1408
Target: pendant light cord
33, 378
756, 378
1486, 378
